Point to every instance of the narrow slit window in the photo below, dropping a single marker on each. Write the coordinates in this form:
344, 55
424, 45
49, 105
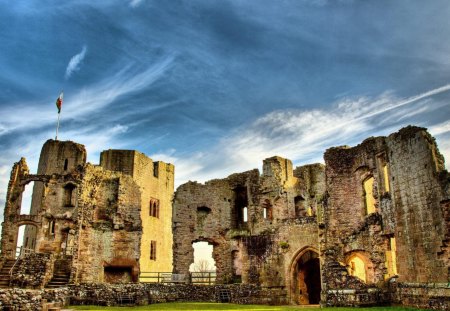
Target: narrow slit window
66, 164
386, 178
152, 250
368, 196
155, 169
51, 228
245, 214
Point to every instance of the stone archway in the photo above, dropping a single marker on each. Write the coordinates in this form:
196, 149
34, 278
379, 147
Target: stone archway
305, 277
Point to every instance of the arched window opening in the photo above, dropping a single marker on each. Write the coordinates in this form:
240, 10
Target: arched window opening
300, 209
69, 195
203, 269
358, 265
368, 195
154, 208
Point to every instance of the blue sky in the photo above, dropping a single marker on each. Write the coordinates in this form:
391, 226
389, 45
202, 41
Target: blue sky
217, 86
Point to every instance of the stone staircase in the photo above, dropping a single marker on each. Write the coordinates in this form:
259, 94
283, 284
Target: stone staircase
4, 273
61, 274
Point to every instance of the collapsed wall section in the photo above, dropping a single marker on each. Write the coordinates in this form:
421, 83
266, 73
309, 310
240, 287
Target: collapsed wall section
384, 217
263, 227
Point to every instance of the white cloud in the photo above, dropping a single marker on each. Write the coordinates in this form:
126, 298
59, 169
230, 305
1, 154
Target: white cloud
75, 62
86, 101
440, 128
135, 3
304, 135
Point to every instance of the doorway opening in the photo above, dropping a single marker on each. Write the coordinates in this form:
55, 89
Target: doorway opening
203, 269
306, 285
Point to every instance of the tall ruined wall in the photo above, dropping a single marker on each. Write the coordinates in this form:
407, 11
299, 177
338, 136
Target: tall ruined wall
57, 157
12, 208
259, 225
420, 191
108, 233
211, 213
385, 205
156, 183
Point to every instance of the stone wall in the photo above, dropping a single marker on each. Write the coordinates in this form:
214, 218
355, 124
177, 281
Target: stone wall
32, 271
156, 183
262, 247
397, 226
109, 228
141, 294
435, 296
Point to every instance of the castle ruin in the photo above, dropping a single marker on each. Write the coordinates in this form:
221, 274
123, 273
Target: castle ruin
89, 223
371, 226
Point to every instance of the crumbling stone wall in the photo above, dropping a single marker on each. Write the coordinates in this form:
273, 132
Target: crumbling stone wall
281, 204
32, 271
408, 194
156, 183
90, 216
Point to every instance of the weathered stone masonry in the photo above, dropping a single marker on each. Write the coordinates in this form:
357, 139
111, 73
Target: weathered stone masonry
371, 226
399, 228
88, 218
376, 216
263, 228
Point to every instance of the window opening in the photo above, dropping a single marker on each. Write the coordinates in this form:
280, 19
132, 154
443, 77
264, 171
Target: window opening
68, 195
391, 258
267, 210
300, 209
155, 169
152, 250
66, 164
386, 178
240, 210
154, 208
51, 227
368, 194
203, 269
357, 267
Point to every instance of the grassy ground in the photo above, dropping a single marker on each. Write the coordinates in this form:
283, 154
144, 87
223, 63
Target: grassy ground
230, 306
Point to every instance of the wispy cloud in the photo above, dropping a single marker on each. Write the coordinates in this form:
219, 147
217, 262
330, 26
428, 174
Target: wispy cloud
91, 99
75, 62
135, 3
304, 135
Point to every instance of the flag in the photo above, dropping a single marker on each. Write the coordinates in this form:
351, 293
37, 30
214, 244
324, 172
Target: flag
59, 102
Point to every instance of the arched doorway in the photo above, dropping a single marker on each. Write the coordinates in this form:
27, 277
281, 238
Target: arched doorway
305, 276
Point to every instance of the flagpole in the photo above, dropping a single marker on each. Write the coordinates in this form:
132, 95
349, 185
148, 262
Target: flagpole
57, 127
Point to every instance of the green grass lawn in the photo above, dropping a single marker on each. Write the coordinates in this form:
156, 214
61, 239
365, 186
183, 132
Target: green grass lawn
192, 306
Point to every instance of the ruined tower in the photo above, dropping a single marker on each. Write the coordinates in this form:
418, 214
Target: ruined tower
156, 183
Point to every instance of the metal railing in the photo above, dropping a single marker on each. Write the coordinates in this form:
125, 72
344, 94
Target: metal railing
201, 278
153, 277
